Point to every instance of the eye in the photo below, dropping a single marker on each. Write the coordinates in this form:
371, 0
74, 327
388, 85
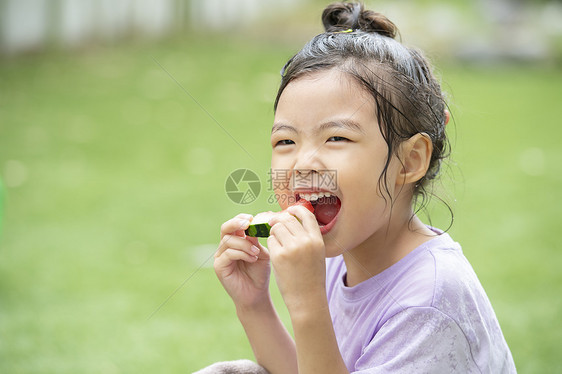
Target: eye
285, 142
337, 139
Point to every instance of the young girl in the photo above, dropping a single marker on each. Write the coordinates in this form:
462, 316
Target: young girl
369, 287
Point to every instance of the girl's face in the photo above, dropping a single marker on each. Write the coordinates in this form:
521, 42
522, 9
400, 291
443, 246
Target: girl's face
326, 141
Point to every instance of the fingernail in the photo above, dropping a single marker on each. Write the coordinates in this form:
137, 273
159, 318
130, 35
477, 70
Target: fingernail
244, 223
255, 249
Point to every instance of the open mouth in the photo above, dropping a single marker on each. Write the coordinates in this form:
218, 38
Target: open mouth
326, 208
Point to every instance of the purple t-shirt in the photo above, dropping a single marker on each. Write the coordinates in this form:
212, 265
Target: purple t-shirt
428, 313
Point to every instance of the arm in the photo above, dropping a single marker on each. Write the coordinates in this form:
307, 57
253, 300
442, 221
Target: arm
298, 256
242, 266
317, 348
271, 343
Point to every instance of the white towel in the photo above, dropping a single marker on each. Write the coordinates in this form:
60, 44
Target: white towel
233, 367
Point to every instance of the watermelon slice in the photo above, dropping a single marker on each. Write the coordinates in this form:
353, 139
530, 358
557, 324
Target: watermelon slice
260, 226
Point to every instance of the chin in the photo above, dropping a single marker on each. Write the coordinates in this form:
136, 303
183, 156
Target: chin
334, 246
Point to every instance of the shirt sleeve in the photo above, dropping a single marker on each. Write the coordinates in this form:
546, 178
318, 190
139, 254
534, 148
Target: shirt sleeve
418, 340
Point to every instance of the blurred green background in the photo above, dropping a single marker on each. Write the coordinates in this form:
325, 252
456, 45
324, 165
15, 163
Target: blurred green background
114, 153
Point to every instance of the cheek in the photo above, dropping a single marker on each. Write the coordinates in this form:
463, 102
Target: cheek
359, 178
370, 177
364, 198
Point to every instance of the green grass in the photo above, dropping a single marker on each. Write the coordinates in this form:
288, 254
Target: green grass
114, 193
508, 210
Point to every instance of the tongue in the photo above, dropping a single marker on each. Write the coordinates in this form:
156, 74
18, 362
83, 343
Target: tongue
326, 210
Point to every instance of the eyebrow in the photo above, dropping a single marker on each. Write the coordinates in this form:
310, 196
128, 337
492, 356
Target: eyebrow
336, 124
280, 126
348, 124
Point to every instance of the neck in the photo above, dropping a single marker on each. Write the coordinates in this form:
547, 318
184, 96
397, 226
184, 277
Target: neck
385, 248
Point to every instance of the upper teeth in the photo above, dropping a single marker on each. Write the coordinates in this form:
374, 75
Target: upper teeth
314, 196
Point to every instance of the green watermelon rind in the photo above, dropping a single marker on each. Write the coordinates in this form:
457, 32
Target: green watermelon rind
259, 230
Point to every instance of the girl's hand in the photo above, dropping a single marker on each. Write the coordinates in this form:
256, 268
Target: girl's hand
298, 255
242, 264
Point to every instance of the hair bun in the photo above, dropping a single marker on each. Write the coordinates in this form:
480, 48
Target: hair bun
343, 16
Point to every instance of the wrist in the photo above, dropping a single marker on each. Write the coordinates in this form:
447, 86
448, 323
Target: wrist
262, 306
308, 306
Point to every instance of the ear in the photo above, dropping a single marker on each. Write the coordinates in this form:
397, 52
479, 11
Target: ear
415, 155
447, 116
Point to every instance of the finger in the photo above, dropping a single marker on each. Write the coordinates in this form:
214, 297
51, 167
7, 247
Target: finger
273, 243
254, 240
290, 222
306, 217
236, 225
281, 233
238, 243
264, 253
232, 255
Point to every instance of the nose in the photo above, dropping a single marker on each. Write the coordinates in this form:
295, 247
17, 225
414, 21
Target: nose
307, 167
308, 161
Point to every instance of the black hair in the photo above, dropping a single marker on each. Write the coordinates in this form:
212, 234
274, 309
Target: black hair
408, 97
